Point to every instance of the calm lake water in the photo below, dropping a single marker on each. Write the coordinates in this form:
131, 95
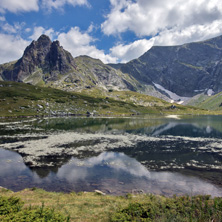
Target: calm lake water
151, 154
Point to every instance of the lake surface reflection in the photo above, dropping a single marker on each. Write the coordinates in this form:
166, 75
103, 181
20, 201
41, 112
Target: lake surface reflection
151, 154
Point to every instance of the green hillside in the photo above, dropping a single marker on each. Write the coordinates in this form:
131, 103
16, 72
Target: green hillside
20, 99
208, 102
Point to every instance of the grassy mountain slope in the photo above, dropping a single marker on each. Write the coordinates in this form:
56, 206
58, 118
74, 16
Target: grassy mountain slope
129, 97
208, 102
24, 99
20, 99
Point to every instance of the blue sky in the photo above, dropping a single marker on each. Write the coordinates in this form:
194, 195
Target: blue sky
111, 30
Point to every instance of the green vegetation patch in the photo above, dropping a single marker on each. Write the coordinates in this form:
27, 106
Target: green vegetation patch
20, 99
185, 208
12, 210
212, 102
89, 206
10, 205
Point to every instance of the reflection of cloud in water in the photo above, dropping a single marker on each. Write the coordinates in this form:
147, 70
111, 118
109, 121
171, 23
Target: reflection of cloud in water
193, 142
140, 177
120, 161
111, 172
7, 159
70, 143
73, 174
36, 179
184, 184
80, 170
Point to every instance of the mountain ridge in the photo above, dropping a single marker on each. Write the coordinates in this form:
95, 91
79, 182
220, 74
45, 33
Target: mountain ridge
46, 63
175, 73
186, 69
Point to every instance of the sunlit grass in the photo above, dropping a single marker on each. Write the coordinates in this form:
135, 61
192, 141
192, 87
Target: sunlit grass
19, 99
89, 206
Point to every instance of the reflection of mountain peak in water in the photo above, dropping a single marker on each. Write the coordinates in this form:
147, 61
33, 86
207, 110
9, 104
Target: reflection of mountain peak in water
116, 167
46, 169
186, 129
161, 129
165, 141
113, 160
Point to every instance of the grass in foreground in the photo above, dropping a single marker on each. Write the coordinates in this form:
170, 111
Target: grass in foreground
94, 207
11, 210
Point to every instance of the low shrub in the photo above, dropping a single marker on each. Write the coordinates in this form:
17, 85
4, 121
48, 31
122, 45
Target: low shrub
195, 209
11, 210
10, 205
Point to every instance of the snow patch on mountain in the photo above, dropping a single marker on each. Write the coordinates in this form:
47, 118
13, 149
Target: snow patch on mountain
210, 92
175, 98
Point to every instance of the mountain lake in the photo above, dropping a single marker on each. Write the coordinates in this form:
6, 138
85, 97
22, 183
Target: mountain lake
162, 155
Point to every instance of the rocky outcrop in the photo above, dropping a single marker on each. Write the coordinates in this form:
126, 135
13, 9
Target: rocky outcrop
43, 57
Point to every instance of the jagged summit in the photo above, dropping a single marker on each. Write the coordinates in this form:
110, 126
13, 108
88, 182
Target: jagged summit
42, 58
44, 38
46, 63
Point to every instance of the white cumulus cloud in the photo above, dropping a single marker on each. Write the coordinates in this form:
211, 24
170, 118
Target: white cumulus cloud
81, 43
127, 52
160, 22
59, 4
16, 6
146, 18
167, 37
11, 47
39, 30
9, 29
176, 36
2, 19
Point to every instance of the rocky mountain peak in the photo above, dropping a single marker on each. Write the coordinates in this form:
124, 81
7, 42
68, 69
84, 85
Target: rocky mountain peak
46, 63
41, 56
42, 44
36, 52
60, 59
44, 39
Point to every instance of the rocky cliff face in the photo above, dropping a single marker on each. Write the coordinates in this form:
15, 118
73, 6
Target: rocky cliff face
43, 58
184, 70
46, 63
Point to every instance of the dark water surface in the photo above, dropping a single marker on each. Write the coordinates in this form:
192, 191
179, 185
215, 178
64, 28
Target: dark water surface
151, 154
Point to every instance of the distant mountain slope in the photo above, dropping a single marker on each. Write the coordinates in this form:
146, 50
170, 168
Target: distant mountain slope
47, 63
186, 70
207, 102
